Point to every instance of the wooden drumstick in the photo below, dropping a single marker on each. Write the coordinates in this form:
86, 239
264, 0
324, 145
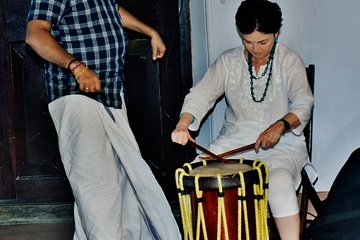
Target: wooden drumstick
212, 155
231, 152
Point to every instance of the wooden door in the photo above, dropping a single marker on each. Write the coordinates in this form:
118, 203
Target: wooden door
30, 165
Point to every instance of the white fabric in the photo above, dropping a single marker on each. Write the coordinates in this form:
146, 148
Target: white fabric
245, 119
116, 194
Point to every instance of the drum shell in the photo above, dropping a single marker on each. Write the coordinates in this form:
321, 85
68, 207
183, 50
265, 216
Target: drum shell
210, 196
210, 206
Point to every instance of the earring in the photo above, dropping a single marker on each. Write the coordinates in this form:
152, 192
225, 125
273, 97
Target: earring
276, 40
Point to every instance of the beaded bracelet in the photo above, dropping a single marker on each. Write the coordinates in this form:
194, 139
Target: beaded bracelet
81, 72
76, 66
68, 67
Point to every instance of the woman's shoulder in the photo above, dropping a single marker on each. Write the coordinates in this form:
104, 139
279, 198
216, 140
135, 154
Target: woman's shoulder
287, 52
287, 55
231, 54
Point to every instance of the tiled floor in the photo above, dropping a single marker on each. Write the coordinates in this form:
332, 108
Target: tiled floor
37, 232
43, 232
56, 230
36, 221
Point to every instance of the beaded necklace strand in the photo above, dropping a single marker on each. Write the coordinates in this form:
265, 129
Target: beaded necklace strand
252, 77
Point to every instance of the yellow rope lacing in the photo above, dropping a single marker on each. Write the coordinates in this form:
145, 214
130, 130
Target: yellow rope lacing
261, 199
239, 212
260, 205
263, 175
184, 201
200, 211
221, 216
244, 205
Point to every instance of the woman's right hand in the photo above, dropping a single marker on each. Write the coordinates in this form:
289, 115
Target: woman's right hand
181, 134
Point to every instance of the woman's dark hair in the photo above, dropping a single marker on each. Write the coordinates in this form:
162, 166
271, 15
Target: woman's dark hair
261, 15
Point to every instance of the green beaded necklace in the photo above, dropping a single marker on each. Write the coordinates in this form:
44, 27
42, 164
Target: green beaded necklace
252, 77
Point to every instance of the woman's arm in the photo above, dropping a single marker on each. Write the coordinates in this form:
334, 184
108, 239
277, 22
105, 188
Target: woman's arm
269, 137
300, 108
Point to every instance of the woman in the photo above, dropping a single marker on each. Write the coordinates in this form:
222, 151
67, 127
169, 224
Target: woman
269, 102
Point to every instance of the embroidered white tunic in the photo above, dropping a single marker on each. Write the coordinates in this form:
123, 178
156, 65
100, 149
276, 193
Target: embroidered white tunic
245, 119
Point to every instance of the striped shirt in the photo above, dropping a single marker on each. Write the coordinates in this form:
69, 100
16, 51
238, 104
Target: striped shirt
90, 30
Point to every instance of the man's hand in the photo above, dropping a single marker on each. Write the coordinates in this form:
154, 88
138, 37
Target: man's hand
157, 45
87, 79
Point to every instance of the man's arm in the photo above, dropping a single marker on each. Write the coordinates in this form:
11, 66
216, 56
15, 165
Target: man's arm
44, 44
131, 22
39, 38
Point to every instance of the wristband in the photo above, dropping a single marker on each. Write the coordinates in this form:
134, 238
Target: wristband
286, 124
68, 67
76, 66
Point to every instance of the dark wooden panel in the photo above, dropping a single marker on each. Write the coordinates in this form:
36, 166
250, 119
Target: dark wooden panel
36, 160
32, 107
144, 107
6, 174
156, 91
15, 15
43, 183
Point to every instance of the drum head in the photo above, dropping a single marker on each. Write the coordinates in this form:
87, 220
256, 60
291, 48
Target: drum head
224, 169
229, 173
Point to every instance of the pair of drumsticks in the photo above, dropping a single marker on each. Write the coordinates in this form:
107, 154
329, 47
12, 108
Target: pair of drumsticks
222, 155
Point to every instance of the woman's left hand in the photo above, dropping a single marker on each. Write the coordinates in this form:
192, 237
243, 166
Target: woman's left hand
270, 136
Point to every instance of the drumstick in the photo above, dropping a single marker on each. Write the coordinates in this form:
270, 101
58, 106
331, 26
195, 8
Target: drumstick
213, 155
231, 152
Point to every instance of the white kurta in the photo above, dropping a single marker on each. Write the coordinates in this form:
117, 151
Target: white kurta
116, 195
245, 119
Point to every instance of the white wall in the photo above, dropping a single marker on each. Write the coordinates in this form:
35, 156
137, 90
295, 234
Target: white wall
325, 33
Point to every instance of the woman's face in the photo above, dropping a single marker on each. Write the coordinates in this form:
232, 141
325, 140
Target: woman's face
259, 44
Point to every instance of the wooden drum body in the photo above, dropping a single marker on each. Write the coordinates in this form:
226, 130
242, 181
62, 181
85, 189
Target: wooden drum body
221, 200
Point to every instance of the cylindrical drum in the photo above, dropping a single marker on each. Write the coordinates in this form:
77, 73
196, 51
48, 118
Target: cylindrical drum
223, 200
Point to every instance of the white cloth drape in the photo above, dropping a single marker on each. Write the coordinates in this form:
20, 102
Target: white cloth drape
116, 194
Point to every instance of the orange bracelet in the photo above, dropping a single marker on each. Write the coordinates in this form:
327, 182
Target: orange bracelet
81, 72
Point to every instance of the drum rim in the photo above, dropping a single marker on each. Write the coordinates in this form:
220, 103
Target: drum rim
228, 180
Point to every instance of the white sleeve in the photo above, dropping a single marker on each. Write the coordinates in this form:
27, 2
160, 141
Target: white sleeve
203, 96
300, 95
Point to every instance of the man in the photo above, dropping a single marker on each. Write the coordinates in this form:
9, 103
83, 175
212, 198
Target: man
84, 45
